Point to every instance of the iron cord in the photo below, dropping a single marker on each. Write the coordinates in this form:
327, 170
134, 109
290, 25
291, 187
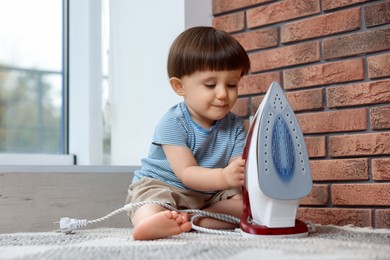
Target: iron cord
67, 225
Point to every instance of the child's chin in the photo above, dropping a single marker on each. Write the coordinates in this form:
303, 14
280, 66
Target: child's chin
220, 117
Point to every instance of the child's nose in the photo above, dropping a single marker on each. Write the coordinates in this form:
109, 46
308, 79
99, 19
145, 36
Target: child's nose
221, 92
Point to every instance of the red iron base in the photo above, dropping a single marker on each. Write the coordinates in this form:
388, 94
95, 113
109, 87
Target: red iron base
299, 230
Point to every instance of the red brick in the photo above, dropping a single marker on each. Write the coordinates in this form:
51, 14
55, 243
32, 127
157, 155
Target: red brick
230, 22
293, 100
381, 169
285, 56
379, 66
241, 108
257, 83
316, 146
332, 4
335, 121
328, 73
366, 93
255, 103
323, 25
336, 216
359, 144
382, 218
318, 196
281, 11
380, 117
220, 6
259, 39
377, 14
339, 170
356, 44
299, 100
305, 99
372, 194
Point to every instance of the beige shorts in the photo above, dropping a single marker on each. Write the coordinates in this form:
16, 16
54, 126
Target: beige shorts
148, 189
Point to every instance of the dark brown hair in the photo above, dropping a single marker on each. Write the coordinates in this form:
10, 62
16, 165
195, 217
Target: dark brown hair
206, 48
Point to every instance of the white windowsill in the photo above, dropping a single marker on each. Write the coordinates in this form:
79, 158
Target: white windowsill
36, 159
66, 169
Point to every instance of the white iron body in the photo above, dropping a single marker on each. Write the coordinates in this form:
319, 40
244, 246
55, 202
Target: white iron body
277, 170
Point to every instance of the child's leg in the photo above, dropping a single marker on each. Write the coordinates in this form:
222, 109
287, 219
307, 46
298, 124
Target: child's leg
153, 221
232, 206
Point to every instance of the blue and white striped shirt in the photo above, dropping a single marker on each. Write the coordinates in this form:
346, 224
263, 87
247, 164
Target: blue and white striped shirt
211, 148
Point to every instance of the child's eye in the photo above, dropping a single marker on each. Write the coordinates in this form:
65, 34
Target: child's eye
232, 85
210, 85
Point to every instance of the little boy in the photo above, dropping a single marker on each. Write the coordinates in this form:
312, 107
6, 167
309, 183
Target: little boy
194, 160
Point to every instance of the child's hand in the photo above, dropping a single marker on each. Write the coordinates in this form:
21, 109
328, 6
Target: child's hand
233, 174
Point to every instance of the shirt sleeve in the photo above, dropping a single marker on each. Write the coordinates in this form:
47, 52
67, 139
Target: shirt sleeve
170, 130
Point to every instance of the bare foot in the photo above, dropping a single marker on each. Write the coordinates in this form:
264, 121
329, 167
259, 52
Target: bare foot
162, 224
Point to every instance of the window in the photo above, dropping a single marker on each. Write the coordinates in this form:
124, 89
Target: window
32, 114
64, 110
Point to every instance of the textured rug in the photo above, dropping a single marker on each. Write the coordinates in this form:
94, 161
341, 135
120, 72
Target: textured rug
328, 242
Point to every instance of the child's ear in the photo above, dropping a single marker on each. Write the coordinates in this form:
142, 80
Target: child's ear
177, 86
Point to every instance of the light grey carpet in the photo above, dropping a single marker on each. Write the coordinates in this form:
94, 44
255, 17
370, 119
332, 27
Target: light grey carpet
329, 242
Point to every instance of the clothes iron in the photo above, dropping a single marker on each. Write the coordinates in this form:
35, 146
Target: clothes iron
277, 171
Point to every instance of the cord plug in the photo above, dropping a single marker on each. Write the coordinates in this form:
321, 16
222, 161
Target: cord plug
67, 225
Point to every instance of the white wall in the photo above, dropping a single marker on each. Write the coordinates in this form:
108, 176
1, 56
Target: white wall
198, 12
141, 33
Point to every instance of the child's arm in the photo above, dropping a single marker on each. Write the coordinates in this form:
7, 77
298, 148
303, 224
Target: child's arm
195, 177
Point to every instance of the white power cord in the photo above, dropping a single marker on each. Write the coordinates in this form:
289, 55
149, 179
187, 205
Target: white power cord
67, 225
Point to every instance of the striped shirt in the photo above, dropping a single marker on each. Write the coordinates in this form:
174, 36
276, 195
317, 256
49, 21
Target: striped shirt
211, 148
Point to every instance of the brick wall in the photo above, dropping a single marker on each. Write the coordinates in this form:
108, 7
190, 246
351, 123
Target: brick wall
333, 59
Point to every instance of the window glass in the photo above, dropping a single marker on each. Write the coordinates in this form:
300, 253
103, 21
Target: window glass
31, 91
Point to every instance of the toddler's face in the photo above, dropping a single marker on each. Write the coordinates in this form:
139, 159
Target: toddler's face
209, 95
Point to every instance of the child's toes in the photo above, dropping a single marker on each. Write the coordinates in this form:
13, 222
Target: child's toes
186, 226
